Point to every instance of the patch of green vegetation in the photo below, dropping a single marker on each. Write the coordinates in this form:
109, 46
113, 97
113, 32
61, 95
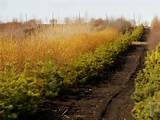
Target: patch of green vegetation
147, 90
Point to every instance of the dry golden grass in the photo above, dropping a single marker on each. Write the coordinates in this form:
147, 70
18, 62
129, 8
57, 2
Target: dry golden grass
63, 46
154, 36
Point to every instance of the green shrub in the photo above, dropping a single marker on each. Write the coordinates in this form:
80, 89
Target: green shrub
147, 87
20, 93
50, 77
87, 67
137, 33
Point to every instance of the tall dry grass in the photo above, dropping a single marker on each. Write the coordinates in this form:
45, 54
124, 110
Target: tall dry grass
154, 36
63, 44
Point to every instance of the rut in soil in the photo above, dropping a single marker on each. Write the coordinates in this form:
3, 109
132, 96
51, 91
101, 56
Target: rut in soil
119, 108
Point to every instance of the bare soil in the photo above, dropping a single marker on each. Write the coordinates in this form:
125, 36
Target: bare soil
120, 106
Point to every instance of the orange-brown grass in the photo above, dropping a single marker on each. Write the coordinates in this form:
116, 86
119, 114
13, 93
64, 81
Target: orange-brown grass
64, 49
154, 36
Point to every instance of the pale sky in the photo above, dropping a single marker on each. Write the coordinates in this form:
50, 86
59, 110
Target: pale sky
43, 9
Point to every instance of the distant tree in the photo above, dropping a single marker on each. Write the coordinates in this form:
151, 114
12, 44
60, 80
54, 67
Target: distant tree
53, 21
14, 20
122, 24
34, 22
79, 20
68, 20
98, 24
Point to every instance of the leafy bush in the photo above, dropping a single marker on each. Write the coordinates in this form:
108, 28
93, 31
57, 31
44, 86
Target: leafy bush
21, 93
137, 33
147, 91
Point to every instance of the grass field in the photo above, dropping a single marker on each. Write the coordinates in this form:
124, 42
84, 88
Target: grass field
63, 49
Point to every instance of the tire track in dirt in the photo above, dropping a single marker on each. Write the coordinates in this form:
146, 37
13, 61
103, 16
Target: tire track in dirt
120, 106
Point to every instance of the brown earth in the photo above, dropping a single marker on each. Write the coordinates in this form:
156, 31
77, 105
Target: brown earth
120, 106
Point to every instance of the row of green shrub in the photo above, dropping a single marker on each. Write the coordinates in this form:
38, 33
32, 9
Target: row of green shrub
137, 34
147, 89
22, 92
87, 67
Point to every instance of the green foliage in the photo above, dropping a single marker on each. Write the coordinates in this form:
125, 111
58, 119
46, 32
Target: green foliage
147, 95
49, 76
20, 93
137, 33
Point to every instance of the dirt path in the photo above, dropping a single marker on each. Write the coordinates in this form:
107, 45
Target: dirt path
120, 106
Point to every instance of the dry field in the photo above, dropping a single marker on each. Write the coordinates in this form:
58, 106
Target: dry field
62, 43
